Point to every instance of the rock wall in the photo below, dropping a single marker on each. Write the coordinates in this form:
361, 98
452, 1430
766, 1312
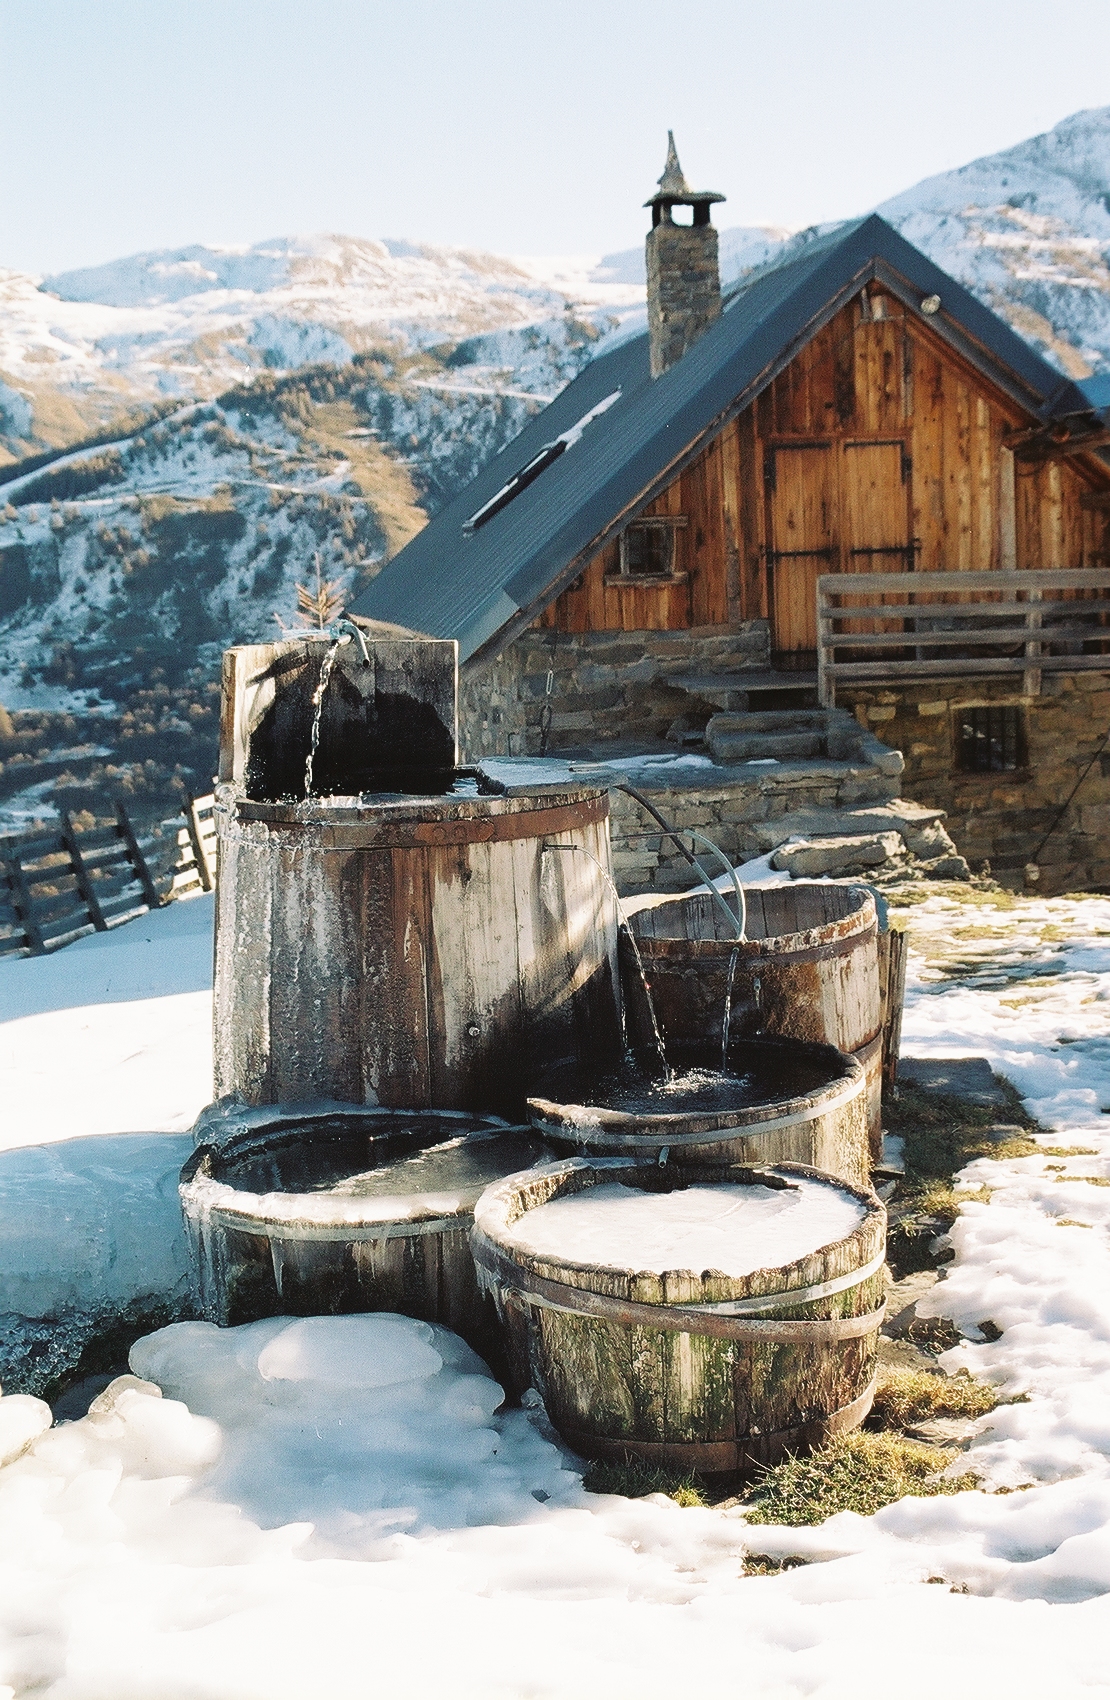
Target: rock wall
605, 686
1001, 818
731, 812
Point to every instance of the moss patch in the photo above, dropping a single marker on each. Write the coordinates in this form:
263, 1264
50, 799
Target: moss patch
857, 1472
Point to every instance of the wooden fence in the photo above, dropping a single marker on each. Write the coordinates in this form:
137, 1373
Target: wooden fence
195, 868
895, 628
58, 884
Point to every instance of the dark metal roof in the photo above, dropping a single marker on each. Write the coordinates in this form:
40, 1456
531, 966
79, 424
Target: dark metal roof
484, 586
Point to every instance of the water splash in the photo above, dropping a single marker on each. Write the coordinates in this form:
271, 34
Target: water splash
622, 918
318, 708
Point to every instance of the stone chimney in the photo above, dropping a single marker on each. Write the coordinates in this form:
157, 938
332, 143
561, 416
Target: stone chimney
683, 280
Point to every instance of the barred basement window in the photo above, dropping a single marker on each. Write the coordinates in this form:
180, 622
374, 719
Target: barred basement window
990, 740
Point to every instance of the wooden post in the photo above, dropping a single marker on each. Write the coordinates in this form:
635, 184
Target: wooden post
1031, 678
826, 679
193, 827
22, 903
136, 857
892, 977
81, 874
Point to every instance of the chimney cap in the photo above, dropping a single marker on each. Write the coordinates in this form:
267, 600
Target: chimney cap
673, 188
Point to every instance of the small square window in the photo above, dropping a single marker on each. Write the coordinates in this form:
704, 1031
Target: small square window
990, 740
647, 551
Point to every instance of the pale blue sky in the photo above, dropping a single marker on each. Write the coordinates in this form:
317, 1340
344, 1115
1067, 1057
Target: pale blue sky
514, 125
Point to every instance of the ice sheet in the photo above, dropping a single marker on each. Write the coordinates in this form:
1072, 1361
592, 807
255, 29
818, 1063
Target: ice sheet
733, 1229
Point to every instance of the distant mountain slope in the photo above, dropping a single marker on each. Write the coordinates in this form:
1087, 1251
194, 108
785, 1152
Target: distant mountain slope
251, 411
80, 348
1028, 230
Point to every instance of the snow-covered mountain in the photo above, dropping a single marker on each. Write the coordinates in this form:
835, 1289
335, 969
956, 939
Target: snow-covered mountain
1028, 230
77, 349
249, 412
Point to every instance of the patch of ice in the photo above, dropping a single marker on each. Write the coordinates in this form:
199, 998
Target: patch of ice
733, 1230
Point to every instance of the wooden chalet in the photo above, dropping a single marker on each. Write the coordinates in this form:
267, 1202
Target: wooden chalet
847, 482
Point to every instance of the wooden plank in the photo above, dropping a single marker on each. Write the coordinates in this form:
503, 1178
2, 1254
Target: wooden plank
959, 669
1041, 578
1057, 608
197, 839
314, 962
1007, 512
923, 638
84, 883
23, 905
803, 533
138, 860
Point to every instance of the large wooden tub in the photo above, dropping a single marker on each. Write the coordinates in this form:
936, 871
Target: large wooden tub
808, 969
333, 1210
410, 952
689, 1368
391, 934
794, 1103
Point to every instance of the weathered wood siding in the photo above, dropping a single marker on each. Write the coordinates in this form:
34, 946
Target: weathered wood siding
904, 451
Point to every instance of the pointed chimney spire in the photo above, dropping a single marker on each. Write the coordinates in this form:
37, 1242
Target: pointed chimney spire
684, 286
672, 182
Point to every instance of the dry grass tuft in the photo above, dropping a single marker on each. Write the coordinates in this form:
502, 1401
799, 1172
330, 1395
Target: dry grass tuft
905, 1397
857, 1472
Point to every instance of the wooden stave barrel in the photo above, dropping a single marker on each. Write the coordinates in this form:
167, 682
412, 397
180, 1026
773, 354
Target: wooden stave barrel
675, 1381
410, 952
826, 1130
818, 981
275, 1255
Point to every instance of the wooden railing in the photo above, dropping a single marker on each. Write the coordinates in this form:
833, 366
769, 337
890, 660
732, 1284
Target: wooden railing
57, 884
903, 627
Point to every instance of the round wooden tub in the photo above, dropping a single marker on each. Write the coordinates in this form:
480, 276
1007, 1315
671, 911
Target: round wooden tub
410, 951
331, 1210
808, 969
690, 1368
794, 1103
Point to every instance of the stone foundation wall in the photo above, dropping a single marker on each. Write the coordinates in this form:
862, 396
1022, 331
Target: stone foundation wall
729, 813
1001, 818
606, 686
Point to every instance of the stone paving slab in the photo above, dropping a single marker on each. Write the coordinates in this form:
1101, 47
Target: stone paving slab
970, 1079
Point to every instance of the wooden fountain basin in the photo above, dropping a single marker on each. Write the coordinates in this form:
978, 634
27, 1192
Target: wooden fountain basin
793, 1102
808, 969
411, 951
326, 1210
696, 1368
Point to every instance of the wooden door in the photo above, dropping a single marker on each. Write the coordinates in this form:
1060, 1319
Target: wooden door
802, 527
876, 516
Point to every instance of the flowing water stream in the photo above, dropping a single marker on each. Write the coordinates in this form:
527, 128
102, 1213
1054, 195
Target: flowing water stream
318, 708
656, 1034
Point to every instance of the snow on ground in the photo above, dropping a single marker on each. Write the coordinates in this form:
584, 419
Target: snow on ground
335, 1506
105, 1061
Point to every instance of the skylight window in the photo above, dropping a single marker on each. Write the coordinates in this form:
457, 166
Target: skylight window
539, 463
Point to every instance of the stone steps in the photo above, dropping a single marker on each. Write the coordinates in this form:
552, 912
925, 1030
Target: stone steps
750, 688
784, 734
768, 746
